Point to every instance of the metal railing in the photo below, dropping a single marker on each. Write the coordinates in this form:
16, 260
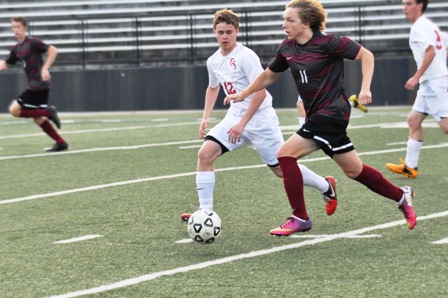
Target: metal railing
101, 38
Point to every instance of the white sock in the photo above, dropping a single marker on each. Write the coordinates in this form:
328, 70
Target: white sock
413, 152
205, 183
312, 179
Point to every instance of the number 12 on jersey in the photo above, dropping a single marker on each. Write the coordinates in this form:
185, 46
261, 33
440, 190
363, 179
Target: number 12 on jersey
229, 88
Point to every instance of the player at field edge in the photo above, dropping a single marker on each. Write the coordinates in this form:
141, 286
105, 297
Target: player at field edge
316, 61
33, 102
253, 122
429, 48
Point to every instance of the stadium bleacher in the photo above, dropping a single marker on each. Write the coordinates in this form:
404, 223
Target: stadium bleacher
179, 31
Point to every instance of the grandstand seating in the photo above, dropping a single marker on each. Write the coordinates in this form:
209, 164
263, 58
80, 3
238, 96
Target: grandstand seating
179, 31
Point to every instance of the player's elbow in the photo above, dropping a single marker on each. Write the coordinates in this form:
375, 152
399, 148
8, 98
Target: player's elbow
53, 50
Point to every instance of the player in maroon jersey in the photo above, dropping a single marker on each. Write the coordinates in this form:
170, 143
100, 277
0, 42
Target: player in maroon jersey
33, 102
316, 61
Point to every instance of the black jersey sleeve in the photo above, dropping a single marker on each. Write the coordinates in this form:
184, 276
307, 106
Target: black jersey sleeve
278, 63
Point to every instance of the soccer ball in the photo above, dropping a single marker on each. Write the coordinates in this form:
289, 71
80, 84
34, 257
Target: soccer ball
204, 226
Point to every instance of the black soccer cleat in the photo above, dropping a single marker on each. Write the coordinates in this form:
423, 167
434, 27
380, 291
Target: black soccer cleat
54, 116
57, 147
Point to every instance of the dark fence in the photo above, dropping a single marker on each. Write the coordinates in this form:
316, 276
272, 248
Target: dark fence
183, 87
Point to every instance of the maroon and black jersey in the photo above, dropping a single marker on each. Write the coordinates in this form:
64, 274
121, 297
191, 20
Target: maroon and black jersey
318, 71
30, 53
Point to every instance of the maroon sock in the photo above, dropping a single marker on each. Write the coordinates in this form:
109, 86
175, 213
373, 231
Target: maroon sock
293, 182
375, 181
51, 132
34, 113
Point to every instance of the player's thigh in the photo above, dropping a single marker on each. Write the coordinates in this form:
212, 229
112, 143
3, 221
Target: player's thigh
297, 146
264, 133
220, 133
436, 98
267, 146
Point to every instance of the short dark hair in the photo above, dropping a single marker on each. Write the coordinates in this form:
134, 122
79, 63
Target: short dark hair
21, 20
424, 2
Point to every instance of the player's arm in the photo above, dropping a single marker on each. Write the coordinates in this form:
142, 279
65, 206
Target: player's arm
430, 53
3, 65
367, 67
236, 131
52, 53
211, 94
264, 80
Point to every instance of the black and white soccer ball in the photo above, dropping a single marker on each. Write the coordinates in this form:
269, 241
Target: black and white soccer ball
204, 226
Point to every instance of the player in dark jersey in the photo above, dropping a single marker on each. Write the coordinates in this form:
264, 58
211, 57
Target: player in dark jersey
33, 102
316, 61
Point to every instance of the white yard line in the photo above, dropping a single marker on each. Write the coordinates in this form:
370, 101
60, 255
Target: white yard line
441, 241
253, 254
69, 132
77, 239
99, 149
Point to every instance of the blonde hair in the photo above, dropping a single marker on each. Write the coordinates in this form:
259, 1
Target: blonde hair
311, 12
226, 16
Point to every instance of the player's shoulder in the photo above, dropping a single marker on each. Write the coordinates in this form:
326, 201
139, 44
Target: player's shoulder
423, 23
214, 57
244, 50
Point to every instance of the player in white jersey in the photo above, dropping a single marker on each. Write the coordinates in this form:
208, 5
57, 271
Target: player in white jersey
251, 122
428, 47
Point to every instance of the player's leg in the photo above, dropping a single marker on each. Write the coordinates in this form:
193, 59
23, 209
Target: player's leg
294, 147
267, 138
438, 105
370, 177
326, 186
205, 176
415, 141
216, 144
443, 124
15, 109
409, 166
32, 104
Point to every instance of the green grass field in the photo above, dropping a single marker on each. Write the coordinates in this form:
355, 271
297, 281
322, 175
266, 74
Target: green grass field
128, 176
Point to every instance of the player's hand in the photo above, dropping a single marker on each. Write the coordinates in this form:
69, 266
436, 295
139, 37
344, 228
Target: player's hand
411, 83
235, 133
202, 128
365, 97
45, 75
236, 97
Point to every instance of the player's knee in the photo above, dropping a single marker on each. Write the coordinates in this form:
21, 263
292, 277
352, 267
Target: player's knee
14, 112
352, 172
414, 123
206, 155
277, 171
15, 109
444, 129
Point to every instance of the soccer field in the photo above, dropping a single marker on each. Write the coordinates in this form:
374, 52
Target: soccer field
103, 218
